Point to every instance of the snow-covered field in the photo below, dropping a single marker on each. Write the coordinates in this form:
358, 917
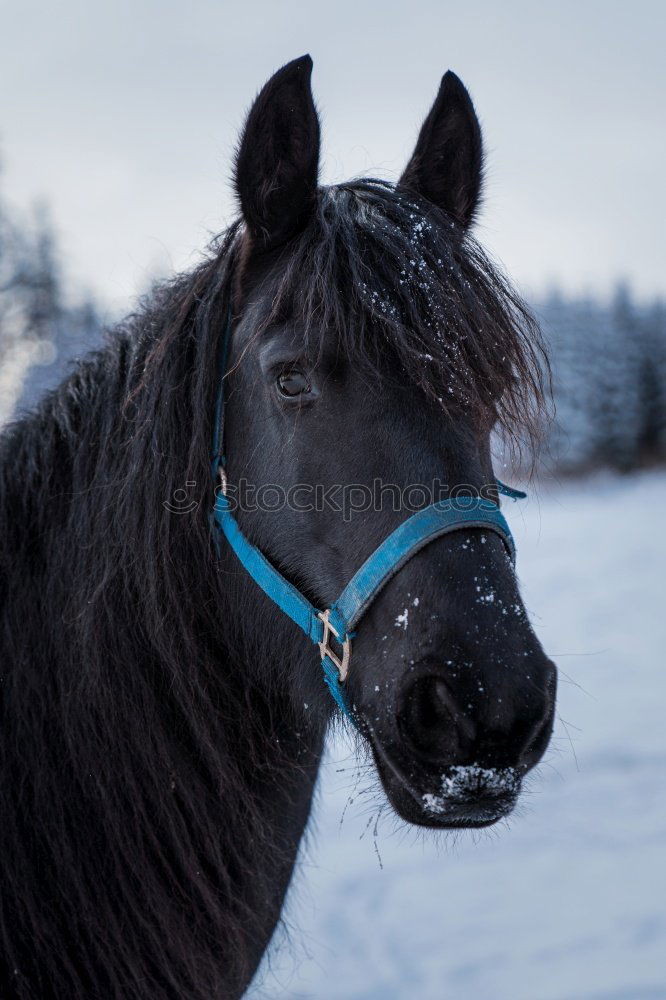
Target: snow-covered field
568, 900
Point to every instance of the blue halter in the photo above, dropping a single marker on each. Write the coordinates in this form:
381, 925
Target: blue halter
337, 623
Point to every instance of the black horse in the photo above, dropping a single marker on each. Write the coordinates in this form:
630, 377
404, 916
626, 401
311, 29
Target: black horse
161, 722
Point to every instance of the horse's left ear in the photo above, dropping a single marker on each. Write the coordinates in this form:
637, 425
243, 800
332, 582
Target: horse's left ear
446, 166
278, 157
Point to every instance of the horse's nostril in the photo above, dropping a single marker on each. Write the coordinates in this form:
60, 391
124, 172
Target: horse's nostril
492, 731
540, 736
434, 703
432, 723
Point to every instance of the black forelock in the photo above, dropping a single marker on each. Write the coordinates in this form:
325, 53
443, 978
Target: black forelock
396, 280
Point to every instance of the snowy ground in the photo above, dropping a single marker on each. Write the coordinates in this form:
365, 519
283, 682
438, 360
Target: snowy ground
567, 901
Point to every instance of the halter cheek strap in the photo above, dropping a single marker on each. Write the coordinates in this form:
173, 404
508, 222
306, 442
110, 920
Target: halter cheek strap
332, 630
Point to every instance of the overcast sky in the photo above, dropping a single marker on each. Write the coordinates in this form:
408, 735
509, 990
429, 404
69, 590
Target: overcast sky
123, 115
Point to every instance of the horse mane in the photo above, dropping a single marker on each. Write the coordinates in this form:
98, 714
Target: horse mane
127, 684
452, 325
119, 685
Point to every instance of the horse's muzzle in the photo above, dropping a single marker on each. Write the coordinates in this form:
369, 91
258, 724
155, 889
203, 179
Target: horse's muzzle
456, 761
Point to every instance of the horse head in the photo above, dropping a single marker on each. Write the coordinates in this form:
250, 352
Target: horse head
373, 349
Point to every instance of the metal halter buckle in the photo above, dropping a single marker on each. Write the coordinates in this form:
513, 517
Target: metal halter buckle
222, 476
325, 647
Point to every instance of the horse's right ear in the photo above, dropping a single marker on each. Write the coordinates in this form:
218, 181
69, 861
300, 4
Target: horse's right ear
277, 162
447, 164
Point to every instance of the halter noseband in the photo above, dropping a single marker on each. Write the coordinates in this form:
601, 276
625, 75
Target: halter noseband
337, 623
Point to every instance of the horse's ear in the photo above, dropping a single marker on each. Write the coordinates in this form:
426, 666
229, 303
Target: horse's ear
278, 157
446, 166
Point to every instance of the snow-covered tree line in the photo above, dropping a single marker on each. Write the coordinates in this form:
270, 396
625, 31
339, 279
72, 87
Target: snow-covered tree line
40, 327
609, 382
608, 358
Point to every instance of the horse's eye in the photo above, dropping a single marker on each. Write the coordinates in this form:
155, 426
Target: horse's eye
293, 383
